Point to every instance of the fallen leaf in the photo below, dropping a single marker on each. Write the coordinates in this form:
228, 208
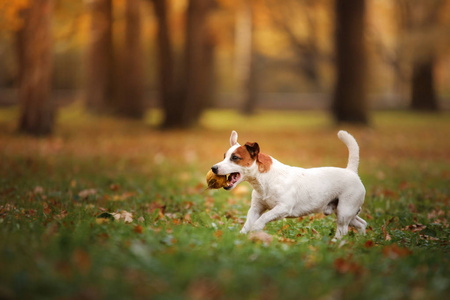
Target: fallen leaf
81, 260
138, 229
394, 251
38, 190
344, 266
261, 236
387, 237
412, 208
61, 215
369, 244
114, 187
86, 193
286, 240
127, 217
414, 227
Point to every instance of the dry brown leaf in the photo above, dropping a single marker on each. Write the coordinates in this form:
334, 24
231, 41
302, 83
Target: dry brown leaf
261, 236
86, 193
394, 251
138, 229
344, 266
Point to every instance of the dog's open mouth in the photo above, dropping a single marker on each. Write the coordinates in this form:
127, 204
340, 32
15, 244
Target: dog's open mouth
232, 179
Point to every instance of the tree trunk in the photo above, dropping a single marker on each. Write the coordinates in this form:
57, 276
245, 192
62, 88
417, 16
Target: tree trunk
100, 58
171, 107
251, 87
198, 59
35, 63
423, 96
184, 99
245, 64
130, 102
349, 100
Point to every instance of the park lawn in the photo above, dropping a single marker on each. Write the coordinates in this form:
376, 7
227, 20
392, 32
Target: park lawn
174, 240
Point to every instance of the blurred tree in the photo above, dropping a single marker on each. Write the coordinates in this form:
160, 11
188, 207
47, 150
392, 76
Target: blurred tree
421, 19
349, 99
100, 57
420, 30
130, 100
306, 43
246, 57
172, 111
184, 98
198, 61
34, 41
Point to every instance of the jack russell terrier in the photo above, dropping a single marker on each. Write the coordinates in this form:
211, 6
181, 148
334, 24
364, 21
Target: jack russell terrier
282, 191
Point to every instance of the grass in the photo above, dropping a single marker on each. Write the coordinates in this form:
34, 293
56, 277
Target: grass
184, 242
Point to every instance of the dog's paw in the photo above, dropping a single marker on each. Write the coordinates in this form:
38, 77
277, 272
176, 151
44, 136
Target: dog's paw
243, 231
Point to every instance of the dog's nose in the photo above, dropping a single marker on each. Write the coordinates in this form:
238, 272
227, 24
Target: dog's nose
215, 169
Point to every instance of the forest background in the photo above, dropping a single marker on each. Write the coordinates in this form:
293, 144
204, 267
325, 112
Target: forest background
123, 56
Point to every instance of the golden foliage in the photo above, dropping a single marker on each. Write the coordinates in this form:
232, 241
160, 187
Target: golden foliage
10, 19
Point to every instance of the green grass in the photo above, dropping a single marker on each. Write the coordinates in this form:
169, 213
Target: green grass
184, 242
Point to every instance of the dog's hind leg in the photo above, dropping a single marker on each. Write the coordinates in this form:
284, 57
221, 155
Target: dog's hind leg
359, 224
346, 213
342, 225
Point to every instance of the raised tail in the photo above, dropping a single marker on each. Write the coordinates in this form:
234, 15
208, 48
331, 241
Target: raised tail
353, 150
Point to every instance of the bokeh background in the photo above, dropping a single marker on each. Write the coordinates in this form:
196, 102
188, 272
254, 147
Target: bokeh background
123, 57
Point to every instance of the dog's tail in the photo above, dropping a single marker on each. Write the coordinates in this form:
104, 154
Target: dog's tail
353, 150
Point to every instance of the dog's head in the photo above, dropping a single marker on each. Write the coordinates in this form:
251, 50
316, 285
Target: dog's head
241, 162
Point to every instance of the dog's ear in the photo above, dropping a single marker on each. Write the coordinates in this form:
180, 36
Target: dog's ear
233, 138
253, 149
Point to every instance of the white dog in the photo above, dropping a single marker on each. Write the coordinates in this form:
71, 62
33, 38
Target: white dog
281, 191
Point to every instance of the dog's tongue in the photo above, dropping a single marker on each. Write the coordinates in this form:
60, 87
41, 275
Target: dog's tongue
234, 177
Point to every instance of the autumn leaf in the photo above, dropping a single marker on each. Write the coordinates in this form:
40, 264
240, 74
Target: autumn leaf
138, 229
344, 266
114, 187
38, 190
387, 237
369, 244
414, 227
218, 233
394, 251
261, 236
286, 240
82, 260
86, 193
61, 215
123, 215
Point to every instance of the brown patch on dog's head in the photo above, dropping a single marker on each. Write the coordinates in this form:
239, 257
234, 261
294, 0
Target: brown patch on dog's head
253, 149
247, 154
243, 157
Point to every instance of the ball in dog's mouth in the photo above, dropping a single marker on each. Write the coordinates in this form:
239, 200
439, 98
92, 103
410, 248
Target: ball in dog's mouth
232, 179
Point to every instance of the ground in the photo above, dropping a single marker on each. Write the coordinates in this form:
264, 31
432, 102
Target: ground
175, 240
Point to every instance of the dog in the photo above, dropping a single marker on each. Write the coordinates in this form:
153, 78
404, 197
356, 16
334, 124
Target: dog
283, 191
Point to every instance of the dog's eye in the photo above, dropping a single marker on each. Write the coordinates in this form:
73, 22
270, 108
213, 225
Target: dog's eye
235, 157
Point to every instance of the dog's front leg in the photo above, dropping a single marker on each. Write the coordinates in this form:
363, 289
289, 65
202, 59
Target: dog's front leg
276, 213
253, 214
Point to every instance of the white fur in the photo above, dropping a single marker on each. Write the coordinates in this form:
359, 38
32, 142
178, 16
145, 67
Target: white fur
286, 191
